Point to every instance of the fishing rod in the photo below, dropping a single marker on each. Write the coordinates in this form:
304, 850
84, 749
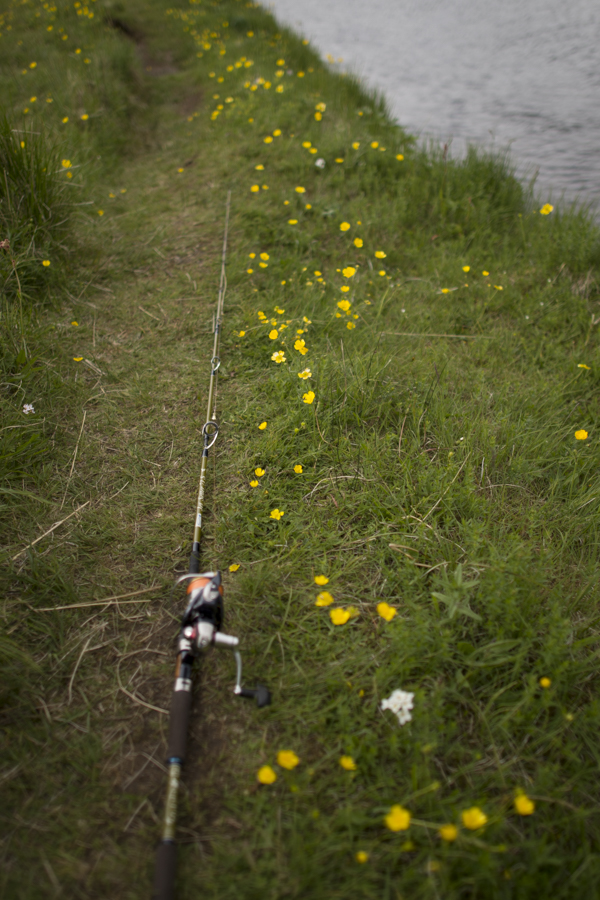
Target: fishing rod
200, 626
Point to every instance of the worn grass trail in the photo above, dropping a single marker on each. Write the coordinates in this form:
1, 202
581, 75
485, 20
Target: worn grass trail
445, 335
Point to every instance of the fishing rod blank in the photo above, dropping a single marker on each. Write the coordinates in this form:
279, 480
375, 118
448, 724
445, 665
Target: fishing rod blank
200, 627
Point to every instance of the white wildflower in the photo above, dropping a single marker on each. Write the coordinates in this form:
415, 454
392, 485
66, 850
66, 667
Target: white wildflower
320, 163
28, 408
400, 702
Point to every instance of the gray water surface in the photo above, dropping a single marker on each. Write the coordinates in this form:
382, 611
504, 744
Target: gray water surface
499, 73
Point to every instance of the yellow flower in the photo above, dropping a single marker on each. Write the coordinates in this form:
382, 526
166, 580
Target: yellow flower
259, 472
65, 120
277, 132
374, 144
339, 616
180, 171
349, 272
344, 305
398, 818
350, 325
321, 107
268, 139
545, 682
399, 156
259, 167
445, 290
266, 775
292, 221
306, 321
347, 762
448, 833
581, 435
358, 242
250, 271
262, 426
356, 145
278, 356
255, 188
241, 333
523, 805
298, 469
300, 345
306, 144
85, 117
546, 209
361, 857
321, 580
344, 226
264, 256
74, 322
473, 818
66, 163
78, 358
300, 190
582, 366
485, 273
386, 611
287, 759
32, 65
344, 288
234, 567
498, 287
254, 483
339, 160
466, 268
273, 335
309, 397
100, 212
305, 374
46, 262
276, 514
380, 254
324, 598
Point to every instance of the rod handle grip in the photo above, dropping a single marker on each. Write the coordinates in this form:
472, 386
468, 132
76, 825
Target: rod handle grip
181, 704
164, 875
194, 567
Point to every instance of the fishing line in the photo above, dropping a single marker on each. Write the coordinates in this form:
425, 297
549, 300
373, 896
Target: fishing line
201, 623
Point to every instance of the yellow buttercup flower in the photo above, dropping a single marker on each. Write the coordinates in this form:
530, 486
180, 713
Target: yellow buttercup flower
523, 805
361, 857
386, 611
287, 759
259, 472
399, 156
268, 139
259, 167
78, 358
344, 288
265, 256
344, 226
344, 305
448, 833
582, 366
466, 268
262, 426
324, 598
309, 396
339, 616
234, 567
84, 117
305, 374
274, 334
546, 209
298, 469
306, 144
545, 682
374, 144
300, 190
276, 514
46, 262
347, 762
349, 272
255, 188
356, 145
581, 435
66, 163
266, 775
321, 580
278, 356
358, 242
398, 818
473, 818
380, 254
350, 325
300, 346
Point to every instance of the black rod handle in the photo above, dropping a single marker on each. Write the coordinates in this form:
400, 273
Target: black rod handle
181, 705
164, 876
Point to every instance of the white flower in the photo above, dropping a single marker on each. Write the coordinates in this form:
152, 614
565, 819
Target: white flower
28, 408
320, 163
400, 702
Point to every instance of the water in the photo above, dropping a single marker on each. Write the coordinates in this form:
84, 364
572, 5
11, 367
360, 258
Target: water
518, 73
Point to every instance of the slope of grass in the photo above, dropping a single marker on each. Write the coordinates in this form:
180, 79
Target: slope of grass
428, 461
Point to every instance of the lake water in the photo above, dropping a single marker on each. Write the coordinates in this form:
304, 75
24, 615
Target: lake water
518, 73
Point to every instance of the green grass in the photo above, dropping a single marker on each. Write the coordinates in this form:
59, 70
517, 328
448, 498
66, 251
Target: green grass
440, 475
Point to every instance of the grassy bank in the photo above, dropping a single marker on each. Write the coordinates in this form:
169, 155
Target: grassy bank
443, 324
